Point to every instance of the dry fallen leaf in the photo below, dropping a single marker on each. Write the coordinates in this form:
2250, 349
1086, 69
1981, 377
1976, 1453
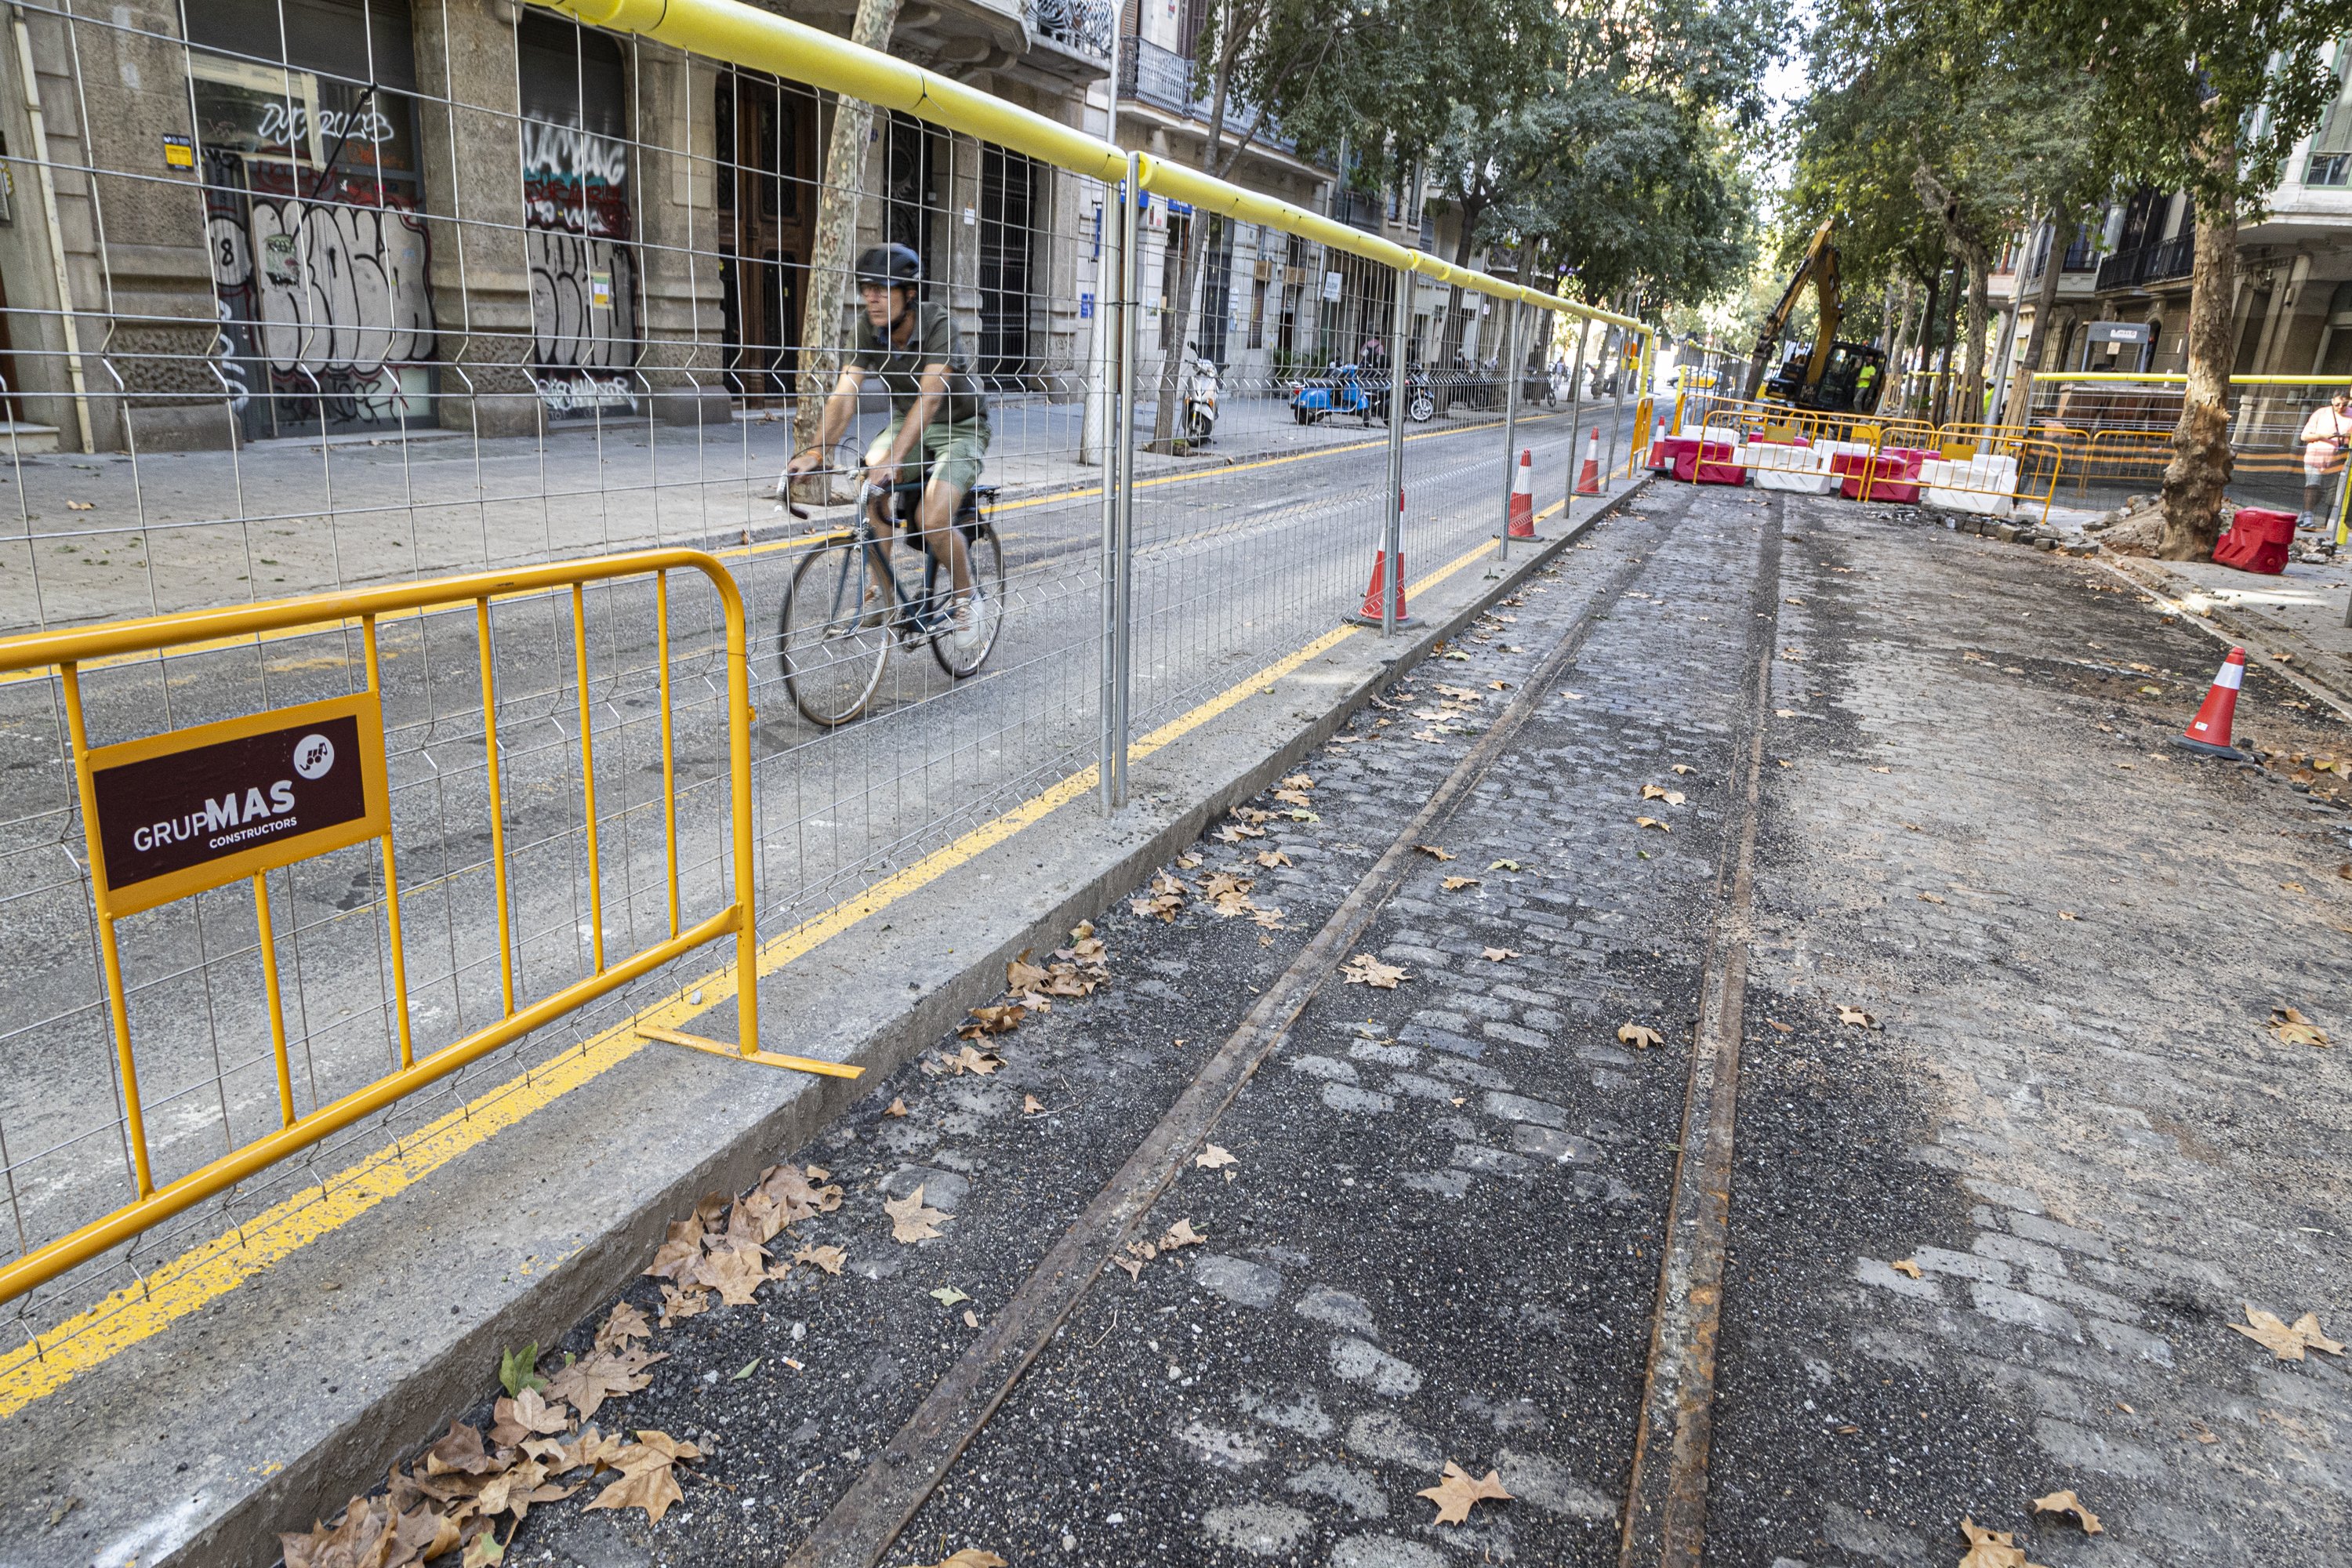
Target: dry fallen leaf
1365, 970
1212, 1156
1660, 792
622, 1324
1504, 866
970, 1557
1905, 1266
1167, 894
677, 1256
647, 1480
528, 1415
898, 1108
1271, 857
2068, 915
1031, 1105
987, 1021
677, 1305
1457, 1491
1931, 898
1180, 1234
735, 1268
459, 1453
363, 1535
1297, 780
1652, 822
1639, 1037
1855, 1015
1293, 798
1456, 884
1496, 955
2291, 1029
2285, 1341
910, 1221
2067, 1503
1433, 852
1991, 1548
600, 1375
829, 1259
1685, 768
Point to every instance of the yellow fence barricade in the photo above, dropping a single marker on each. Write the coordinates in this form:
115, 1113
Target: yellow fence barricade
170, 816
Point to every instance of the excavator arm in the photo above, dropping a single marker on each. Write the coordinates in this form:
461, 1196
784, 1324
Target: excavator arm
1819, 268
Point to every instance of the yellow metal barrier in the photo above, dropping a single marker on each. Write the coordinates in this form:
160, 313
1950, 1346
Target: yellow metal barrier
137, 863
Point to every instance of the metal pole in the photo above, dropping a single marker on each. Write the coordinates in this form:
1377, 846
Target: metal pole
1123, 543
1393, 528
1616, 379
1575, 417
1094, 424
1118, 420
1510, 420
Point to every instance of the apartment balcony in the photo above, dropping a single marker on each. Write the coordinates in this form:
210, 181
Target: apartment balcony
2147, 264
2081, 257
1083, 27
1167, 81
1356, 210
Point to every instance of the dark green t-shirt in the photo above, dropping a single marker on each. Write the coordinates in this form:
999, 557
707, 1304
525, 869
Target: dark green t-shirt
936, 341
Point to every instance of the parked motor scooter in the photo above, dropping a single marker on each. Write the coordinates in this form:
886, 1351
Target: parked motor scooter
1338, 390
1202, 382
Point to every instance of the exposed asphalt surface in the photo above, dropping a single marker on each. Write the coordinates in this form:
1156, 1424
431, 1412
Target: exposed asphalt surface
1437, 1239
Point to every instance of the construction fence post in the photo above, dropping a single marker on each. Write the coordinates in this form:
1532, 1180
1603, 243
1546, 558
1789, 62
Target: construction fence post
1617, 419
1510, 420
1392, 525
1575, 417
1119, 507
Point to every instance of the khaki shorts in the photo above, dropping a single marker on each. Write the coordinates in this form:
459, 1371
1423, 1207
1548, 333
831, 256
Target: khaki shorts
950, 452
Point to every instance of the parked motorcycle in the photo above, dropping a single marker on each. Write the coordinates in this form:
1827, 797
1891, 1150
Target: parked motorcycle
1202, 382
1338, 390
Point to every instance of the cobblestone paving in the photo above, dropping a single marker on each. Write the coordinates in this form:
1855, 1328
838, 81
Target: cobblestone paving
1437, 1238
2070, 1119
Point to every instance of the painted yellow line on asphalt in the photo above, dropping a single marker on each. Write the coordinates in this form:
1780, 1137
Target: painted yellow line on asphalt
173, 1290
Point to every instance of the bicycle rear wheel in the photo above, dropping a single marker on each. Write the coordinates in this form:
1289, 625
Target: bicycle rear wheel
831, 658
988, 576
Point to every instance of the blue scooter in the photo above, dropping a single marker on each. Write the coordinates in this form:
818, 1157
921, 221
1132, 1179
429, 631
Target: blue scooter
1339, 389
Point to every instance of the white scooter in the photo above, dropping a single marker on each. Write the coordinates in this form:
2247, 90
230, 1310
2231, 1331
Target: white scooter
1201, 383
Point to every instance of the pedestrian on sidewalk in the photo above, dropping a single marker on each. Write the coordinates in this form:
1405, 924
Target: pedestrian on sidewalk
2324, 437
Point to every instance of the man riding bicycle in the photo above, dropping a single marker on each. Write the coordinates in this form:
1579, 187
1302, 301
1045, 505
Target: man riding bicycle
935, 408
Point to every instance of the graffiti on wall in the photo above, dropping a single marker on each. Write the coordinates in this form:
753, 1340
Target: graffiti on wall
325, 306
583, 283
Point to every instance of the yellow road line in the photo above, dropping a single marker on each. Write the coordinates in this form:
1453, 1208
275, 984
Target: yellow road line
175, 1290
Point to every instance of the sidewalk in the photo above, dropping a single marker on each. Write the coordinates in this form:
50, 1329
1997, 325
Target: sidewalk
2300, 614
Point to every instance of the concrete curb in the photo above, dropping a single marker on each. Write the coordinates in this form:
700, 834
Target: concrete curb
277, 1402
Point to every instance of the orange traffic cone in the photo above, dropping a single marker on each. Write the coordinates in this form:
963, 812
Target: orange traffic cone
1588, 477
1522, 522
2209, 731
1369, 616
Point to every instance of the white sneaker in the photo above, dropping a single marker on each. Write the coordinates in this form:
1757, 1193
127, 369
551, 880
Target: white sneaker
968, 626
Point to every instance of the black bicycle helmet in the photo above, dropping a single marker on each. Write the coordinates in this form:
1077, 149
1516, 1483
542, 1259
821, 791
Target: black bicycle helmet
890, 267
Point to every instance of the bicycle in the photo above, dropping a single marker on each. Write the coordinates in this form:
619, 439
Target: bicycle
832, 646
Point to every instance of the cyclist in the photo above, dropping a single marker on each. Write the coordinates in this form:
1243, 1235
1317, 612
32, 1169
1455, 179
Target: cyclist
938, 416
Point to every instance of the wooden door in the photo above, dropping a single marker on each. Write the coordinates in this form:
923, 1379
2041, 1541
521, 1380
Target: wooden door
767, 200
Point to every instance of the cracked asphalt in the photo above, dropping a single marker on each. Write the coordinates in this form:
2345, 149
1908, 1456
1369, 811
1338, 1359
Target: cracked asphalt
1437, 1237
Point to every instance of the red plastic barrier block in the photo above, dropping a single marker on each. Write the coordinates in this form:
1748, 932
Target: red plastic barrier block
2258, 540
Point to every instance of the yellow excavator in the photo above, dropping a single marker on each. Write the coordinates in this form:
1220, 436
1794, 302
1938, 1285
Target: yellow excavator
1831, 376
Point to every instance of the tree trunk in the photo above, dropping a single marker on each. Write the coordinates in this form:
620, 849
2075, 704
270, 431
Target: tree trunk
2200, 466
2045, 308
1890, 394
1176, 326
1927, 345
1942, 404
1970, 406
830, 250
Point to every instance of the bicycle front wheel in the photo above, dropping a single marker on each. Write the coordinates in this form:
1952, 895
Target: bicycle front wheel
987, 576
832, 656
